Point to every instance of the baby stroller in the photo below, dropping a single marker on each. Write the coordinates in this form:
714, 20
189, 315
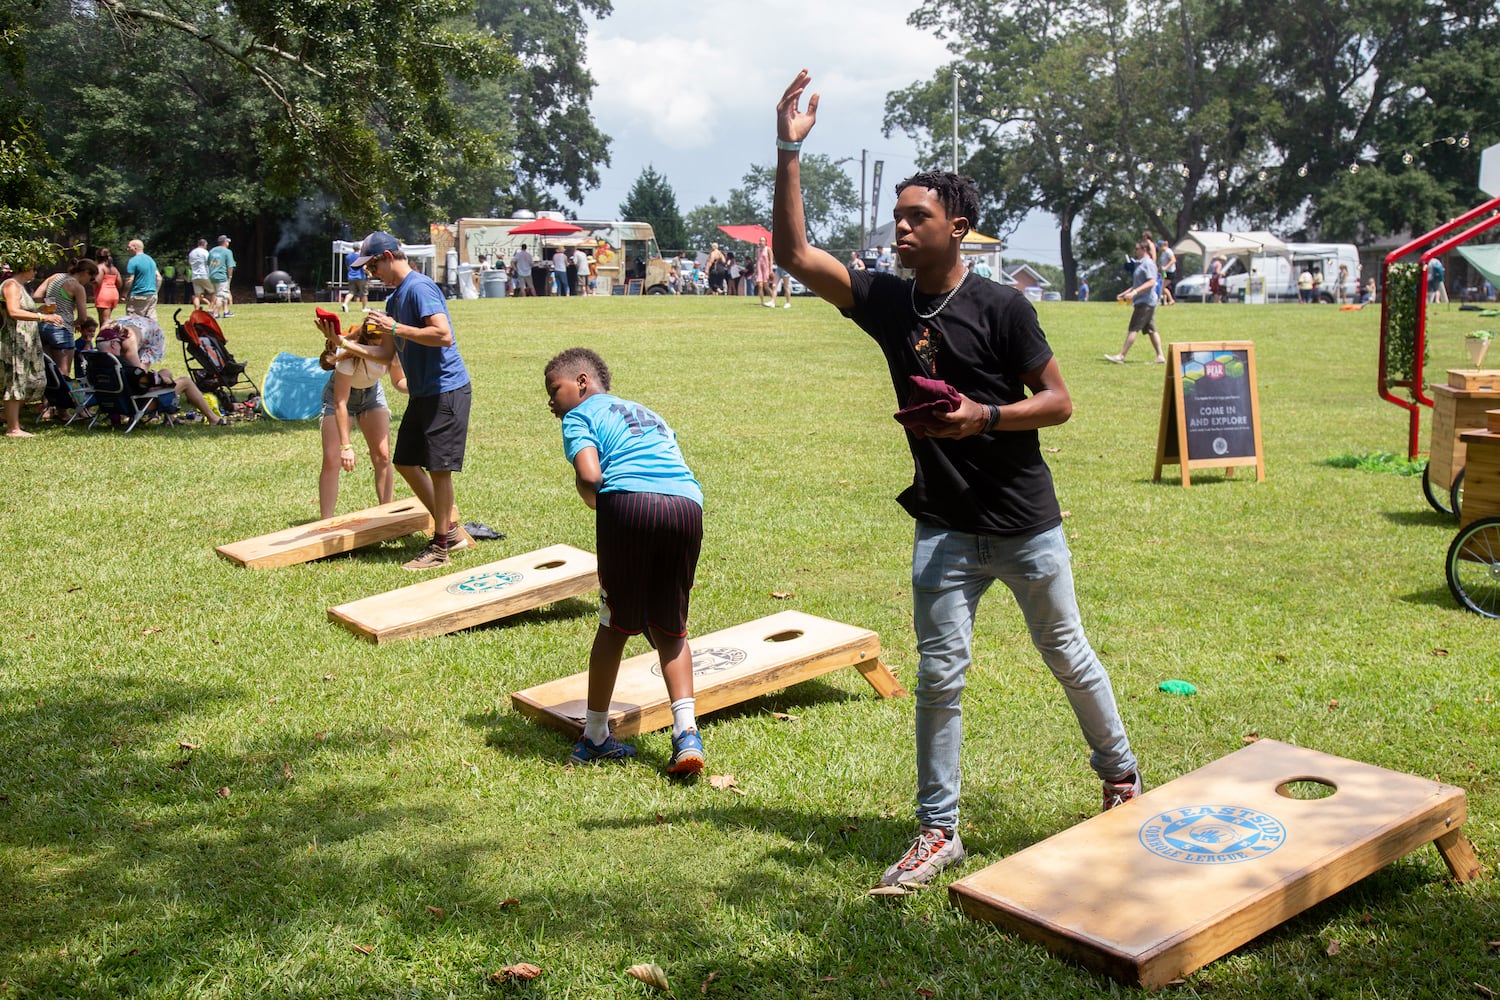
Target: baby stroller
212, 368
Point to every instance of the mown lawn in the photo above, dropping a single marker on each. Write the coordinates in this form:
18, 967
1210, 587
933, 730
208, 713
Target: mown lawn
211, 791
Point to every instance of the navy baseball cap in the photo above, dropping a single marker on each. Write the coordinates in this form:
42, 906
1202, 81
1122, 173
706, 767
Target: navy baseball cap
374, 245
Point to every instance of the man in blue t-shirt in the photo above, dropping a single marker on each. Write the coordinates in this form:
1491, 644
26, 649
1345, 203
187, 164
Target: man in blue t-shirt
359, 282
435, 428
221, 272
1144, 294
648, 533
141, 278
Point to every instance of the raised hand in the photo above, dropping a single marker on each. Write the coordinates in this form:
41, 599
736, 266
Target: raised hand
793, 124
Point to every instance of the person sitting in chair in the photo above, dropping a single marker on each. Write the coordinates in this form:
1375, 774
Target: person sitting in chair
115, 340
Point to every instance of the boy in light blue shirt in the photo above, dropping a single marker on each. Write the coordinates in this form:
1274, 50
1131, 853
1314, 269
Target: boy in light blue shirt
648, 533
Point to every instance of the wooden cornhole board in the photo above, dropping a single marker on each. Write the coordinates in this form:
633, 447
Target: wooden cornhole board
1154, 889
729, 666
333, 535
443, 604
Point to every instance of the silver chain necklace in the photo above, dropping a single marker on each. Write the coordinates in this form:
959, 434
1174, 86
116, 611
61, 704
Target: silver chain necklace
931, 315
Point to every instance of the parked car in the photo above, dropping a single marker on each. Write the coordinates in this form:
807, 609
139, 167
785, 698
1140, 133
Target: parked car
1191, 287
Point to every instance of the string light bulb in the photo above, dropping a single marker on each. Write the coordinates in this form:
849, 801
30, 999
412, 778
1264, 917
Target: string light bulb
1301, 171
1354, 168
1464, 142
1406, 157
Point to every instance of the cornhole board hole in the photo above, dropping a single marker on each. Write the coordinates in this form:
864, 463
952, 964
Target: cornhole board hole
332, 535
487, 593
729, 666
1154, 889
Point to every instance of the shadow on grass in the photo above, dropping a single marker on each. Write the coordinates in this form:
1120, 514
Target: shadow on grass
1424, 517
518, 736
131, 857
126, 874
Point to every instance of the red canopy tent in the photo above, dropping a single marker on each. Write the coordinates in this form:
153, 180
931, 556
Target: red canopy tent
747, 234
545, 227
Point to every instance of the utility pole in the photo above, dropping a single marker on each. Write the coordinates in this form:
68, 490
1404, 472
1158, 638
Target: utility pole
956, 79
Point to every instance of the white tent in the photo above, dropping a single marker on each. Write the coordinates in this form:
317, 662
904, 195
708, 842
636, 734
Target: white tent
1211, 243
419, 254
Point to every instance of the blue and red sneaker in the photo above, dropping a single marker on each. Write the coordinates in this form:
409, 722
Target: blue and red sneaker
611, 751
687, 755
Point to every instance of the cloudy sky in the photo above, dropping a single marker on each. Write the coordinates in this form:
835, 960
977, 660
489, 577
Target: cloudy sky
691, 89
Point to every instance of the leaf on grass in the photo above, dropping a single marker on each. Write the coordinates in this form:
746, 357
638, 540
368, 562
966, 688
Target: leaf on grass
185, 745
848, 828
1484, 990
328, 677
923, 991
1493, 946
1250, 738
1053, 451
320, 737
1067, 513
222, 793
1439, 652
723, 781
651, 974
286, 772
363, 949
520, 971
782, 595
704, 988
660, 819
1333, 948
508, 902
437, 911
73, 590
1332, 704
783, 717
150, 631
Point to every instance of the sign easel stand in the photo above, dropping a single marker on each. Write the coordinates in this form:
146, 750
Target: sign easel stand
1210, 410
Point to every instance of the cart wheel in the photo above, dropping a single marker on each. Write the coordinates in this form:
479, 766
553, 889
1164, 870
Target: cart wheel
1474, 567
1456, 494
1438, 503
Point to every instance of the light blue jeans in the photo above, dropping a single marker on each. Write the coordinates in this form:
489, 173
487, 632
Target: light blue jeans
950, 571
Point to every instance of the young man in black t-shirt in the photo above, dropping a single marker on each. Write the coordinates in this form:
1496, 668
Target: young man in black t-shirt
982, 496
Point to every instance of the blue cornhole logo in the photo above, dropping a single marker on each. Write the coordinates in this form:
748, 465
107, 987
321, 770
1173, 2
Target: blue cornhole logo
1212, 835
712, 660
483, 583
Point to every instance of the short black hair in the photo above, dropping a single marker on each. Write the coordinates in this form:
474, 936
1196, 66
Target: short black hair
959, 194
579, 359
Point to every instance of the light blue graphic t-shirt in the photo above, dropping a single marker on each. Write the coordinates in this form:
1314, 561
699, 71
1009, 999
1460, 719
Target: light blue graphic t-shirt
638, 452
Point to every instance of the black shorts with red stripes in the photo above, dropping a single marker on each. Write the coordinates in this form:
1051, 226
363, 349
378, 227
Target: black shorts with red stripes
647, 546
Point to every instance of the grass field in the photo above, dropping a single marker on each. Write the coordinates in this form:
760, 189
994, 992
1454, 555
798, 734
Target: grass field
210, 791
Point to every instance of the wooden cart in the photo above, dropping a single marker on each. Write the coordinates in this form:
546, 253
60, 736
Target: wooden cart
1474, 557
1458, 407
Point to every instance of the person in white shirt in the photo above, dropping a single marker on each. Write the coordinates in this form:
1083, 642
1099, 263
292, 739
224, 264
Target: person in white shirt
203, 285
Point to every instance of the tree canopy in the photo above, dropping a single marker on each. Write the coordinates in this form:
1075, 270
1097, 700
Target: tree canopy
1177, 114
652, 200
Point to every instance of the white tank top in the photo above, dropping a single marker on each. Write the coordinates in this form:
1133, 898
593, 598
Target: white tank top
362, 374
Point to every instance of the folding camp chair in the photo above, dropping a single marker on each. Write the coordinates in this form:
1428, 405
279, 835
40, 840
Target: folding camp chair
113, 393
63, 393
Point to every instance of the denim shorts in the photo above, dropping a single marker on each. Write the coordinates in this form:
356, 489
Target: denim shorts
55, 336
360, 400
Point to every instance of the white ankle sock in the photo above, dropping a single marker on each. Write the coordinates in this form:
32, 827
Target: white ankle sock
683, 718
595, 726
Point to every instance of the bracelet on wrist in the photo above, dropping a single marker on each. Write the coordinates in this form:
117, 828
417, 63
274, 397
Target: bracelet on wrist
788, 145
995, 418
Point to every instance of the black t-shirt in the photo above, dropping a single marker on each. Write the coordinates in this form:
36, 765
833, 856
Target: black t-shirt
982, 343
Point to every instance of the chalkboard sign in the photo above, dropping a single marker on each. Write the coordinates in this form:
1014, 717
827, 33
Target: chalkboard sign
1210, 410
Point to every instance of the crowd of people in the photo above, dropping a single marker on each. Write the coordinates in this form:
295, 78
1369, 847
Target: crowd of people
52, 321
552, 270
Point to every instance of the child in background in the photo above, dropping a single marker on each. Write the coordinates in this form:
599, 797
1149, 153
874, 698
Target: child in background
648, 532
354, 390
